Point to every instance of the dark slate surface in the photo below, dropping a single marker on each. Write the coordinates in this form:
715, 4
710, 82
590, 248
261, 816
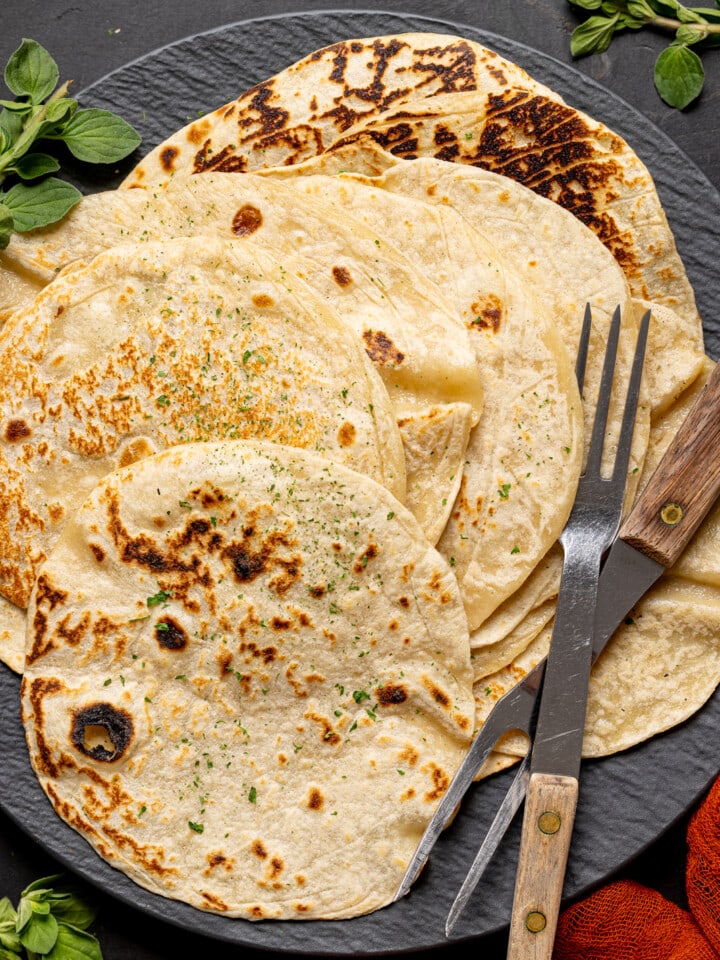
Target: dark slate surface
633, 807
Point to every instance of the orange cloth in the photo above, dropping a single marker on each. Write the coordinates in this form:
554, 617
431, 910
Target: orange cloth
627, 921
702, 874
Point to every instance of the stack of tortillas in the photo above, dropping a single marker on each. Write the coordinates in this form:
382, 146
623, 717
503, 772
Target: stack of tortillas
289, 433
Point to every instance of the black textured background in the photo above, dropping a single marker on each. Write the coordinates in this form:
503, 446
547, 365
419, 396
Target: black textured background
91, 39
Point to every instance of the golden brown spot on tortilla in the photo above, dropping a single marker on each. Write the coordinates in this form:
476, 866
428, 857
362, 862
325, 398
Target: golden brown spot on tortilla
217, 859
346, 434
97, 551
168, 156
258, 848
391, 694
487, 313
431, 190
134, 451
214, 902
440, 781
282, 759
73, 635
318, 590
393, 625
300, 880
370, 552
328, 734
170, 635
408, 794
56, 512
16, 430
263, 300
316, 800
247, 220
39, 689
409, 756
225, 659
380, 348
302, 907
117, 729
438, 695
341, 276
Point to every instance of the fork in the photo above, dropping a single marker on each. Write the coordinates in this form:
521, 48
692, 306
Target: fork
554, 769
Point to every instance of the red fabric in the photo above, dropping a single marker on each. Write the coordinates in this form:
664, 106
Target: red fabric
702, 874
627, 921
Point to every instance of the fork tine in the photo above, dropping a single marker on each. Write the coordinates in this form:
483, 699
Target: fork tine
622, 457
597, 440
582, 350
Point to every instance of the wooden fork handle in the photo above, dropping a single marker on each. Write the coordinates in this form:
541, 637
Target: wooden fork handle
684, 486
548, 821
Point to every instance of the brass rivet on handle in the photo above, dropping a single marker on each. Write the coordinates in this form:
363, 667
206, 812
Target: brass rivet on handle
671, 514
549, 822
535, 921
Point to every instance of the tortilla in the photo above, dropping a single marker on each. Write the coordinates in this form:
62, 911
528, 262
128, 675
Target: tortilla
445, 97
564, 155
445, 318
256, 704
302, 110
157, 344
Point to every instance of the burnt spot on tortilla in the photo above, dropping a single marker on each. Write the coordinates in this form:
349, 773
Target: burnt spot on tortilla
318, 590
170, 635
553, 150
256, 555
444, 135
404, 602
168, 156
391, 694
315, 800
102, 731
247, 220
342, 276
346, 434
380, 348
16, 430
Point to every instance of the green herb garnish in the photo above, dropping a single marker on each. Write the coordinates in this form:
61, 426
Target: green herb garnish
42, 111
50, 919
679, 74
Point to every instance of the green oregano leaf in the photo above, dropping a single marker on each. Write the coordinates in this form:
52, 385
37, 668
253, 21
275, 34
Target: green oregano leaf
679, 75
99, 136
39, 933
74, 944
7, 225
31, 72
40, 204
34, 165
593, 36
587, 4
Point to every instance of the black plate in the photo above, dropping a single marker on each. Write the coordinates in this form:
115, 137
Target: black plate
627, 800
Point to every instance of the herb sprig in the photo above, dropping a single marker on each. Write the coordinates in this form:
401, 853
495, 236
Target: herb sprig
679, 75
43, 111
50, 921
